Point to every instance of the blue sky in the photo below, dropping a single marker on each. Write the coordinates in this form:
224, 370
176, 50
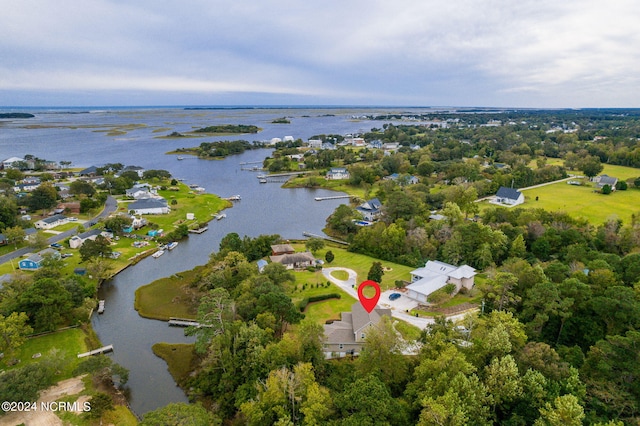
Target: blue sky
529, 53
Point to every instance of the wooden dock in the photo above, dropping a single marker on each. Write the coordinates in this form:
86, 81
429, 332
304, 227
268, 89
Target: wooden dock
182, 322
309, 234
251, 162
102, 350
335, 197
280, 176
199, 230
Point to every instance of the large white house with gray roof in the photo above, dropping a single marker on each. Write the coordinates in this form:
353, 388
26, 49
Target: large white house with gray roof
149, 206
435, 275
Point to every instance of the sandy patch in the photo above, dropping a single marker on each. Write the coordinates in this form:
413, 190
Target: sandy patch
41, 417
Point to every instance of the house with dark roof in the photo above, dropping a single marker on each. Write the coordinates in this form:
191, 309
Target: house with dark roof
89, 171
603, 180
139, 170
347, 336
51, 221
295, 260
77, 240
435, 275
149, 206
509, 196
370, 210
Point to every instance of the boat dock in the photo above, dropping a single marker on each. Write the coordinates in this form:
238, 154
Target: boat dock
278, 177
233, 198
250, 162
182, 322
335, 197
102, 350
333, 240
199, 230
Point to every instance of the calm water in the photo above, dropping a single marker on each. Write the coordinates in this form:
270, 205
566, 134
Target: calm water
265, 208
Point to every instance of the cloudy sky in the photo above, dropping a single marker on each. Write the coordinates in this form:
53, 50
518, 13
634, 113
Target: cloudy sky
525, 53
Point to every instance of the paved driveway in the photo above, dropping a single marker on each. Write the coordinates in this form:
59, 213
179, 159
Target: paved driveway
397, 307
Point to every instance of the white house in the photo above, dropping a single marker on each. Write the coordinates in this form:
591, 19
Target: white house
8, 163
436, 275
348, 335
370, 210
315, 143
77, 240
509, 196
603, 180
336, 173
51, 221
149, 206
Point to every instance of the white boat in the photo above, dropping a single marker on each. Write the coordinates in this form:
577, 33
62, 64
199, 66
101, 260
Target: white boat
221, 216
101, 306
180, 158
158, 254
172, 245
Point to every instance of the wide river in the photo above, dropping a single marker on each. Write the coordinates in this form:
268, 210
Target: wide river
129, 136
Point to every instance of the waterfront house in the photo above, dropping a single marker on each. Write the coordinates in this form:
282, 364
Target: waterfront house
139, 170
435, 275
51, 221
34, 261
370, 210
336, 173
77, 240
10, 162
279, 249
315, 143
295, 260
509, 196
149, 206
347, 336
89, 171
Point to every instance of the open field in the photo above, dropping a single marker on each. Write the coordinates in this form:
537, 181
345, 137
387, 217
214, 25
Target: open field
69, 342
583, 202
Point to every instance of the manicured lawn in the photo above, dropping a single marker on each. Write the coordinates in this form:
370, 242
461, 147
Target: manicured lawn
330, 309
340, 275
169, 297
69, 342
583, 202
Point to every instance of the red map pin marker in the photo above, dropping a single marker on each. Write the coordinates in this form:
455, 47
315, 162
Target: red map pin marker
368, 304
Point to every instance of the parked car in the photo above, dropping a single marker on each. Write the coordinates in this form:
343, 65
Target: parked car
394, 296
56, 246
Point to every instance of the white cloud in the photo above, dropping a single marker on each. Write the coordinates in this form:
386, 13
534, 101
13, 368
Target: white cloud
435, 51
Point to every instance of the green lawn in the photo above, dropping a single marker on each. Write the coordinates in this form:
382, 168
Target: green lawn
583, 202
69, 342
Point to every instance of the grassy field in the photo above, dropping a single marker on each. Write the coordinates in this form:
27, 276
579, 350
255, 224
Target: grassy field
583, 202
168, 297
69, 342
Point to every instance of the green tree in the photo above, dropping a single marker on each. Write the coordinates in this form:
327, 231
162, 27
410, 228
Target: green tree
180, 414
376, 272
13, 331
367, 401
47, 302
565, 411
606, 190
329, 256
80, 187
118, 223
214, 312
14, 235
100, 247
314, 244
590, 166
500, 291
43, 197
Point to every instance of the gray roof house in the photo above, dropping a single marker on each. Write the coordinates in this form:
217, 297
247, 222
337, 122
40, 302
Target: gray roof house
603, 180
348, 335
295, 260
149, 206
371, 210
51, 221
336, 173
435, 275
509, 196
77, 240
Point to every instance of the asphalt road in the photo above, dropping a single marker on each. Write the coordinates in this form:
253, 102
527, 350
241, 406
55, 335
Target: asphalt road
110, 206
